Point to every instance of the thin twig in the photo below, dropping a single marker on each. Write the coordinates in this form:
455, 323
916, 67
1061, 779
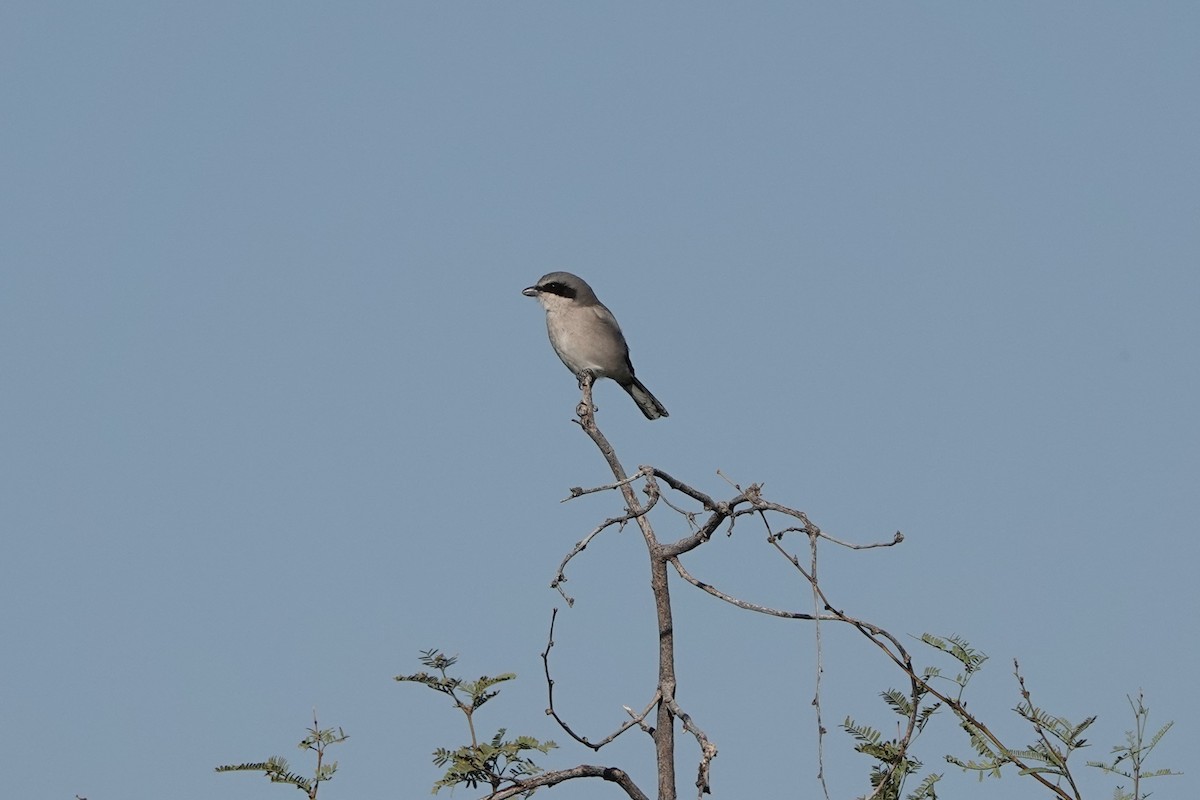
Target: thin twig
582, 544
578, 491
820, 656
734, 601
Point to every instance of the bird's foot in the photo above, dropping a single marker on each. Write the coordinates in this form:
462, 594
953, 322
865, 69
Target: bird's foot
585, 408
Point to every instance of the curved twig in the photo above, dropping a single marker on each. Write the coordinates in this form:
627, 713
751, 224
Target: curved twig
582, 544
636, 719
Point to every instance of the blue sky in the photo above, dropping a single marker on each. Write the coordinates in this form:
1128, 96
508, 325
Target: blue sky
276, 417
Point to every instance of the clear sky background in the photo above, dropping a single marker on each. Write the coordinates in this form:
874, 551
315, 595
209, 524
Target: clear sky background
274, 415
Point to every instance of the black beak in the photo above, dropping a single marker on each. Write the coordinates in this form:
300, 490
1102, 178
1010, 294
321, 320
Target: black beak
531, 291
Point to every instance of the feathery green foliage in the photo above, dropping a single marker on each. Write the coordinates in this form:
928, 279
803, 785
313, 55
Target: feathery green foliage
1129, 759
493, 763
895, 764
960, 650
276, 767
1056, 739
1046, 758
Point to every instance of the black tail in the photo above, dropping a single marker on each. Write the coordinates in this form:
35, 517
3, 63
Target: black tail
647, 402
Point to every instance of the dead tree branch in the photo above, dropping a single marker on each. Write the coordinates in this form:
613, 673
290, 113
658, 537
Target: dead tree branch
612, 774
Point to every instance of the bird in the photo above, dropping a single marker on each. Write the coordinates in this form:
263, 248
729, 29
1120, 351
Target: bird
587, 338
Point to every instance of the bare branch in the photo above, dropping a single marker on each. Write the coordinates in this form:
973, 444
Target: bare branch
809, 528
820, 656
717, 593
577, 491
708, 751
636, 719
679, 486
612, 774
582, 544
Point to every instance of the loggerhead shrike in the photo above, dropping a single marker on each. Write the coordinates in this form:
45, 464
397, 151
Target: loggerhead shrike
587, 338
